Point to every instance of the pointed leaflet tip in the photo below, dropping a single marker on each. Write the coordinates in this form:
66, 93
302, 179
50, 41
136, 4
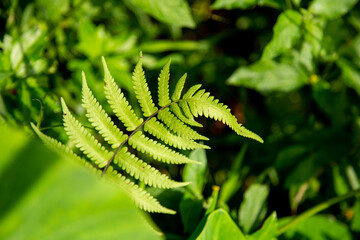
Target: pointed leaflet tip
63, 106
84, 84
107, 74
178, 88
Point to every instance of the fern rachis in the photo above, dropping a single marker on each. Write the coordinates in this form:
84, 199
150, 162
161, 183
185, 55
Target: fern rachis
170, 123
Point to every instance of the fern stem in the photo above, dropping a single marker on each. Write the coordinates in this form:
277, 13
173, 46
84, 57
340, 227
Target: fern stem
132, 133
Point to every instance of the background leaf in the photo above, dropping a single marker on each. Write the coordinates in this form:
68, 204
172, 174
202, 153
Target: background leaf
163, 10
268, 76
252, 206
219, 225
287, 31
267, 231
320, 227
195, 173
331, 9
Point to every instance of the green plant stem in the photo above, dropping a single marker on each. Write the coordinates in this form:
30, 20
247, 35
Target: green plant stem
132, 133
316, 209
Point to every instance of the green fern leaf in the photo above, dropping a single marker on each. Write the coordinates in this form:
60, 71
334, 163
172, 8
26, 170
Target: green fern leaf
163, 85
178, 127
191, 91
178, 88
99, 119
202, 104
188, 120
159, 131
141, 198
157, 150
144, 172
118, 102
142, 90
83, 139
186, 110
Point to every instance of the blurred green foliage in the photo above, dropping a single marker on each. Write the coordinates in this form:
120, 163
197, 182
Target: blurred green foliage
46, 197
288, 69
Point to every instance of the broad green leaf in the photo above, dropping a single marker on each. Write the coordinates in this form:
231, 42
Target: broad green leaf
53, 10
340, 185
195, 173
268, 76
219, 225
355, 223
30, 45
318, 227
330, 8
190, 212
174, 12
252, 206
306, 57
46, 197
267, 231
92, 39
287, 31
313, 32
350, 74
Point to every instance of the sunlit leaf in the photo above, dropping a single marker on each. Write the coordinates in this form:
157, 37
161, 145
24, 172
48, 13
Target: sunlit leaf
319, 227
268, 229
287, 31
219, 225
350, 74
268, 76
330, 8
195, 173
164, 10
252, 206
47, 197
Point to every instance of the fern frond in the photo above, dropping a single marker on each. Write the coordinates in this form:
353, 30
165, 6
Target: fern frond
142, 90
202, 104
144, 172
178, 88
159, 131
178, 127
99, 119
188, 120
118, 102
83, 139
163, 85
158, 151
169, 123
141, 198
